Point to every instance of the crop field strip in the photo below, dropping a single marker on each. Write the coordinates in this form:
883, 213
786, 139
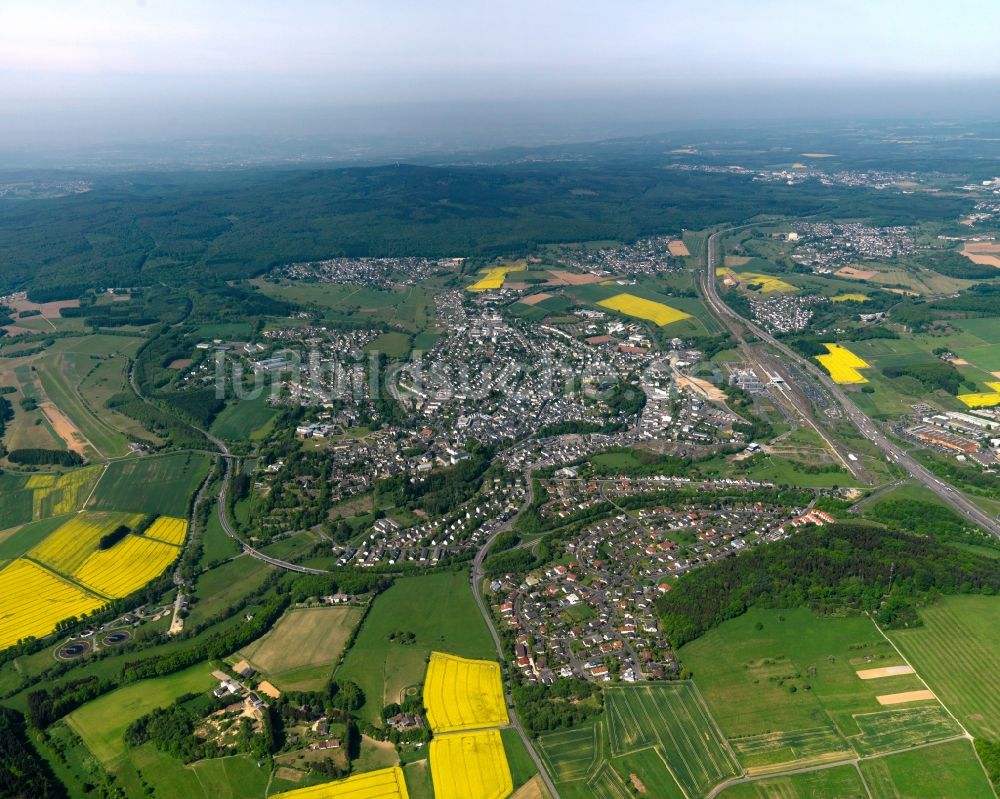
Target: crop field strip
33, 601
470, 764
463, 694
571, 755
68, 548
387, 783
675, 719
66, 575
843, 365
641, 308
950, 652
168, 530
892, 730
982, 399
127, 566
779, 747
494, 278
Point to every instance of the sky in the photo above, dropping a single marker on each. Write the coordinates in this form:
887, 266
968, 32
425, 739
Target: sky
93, 72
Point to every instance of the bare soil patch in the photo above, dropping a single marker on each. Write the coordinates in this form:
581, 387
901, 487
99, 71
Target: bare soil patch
637, 783
982, 254
702, 387
982, 246
534, 299
885, 671
855, 274
561, 278
678, 248
14, 330
180, 363
65, 429
49, 310
906, 696
532, 789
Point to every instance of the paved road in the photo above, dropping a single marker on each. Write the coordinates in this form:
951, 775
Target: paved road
477, 581
894, 453
227, 470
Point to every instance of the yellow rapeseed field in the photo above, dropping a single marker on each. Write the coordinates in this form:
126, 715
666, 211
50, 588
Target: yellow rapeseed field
850, 297
982, 399
169, 529
494, 278
65, 549
768, 283
55, 495
470, 764
641, 308
386, 783
842, 364
127, 566
33, 601
463, 694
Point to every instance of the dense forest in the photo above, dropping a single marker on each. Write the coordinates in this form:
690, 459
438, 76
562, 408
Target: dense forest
830, 568
23, 774
196, 227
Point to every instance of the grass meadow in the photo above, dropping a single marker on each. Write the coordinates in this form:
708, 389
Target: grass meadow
299, 652
947, 769
783, 686
439, 610
101, 723
245, 419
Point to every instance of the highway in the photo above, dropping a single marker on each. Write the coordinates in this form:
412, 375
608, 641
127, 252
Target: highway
477, 577
894, 453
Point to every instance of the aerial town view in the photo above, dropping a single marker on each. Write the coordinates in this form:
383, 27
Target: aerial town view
473, 401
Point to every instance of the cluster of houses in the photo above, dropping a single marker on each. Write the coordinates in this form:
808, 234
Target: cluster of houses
648, 256
374, 272
591, 614
825, 246
462, 530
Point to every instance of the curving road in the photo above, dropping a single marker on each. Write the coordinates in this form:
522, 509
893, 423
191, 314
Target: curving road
227, 470
476, 576
894, 453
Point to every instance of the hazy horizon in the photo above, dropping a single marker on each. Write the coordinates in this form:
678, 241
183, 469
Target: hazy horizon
85, 75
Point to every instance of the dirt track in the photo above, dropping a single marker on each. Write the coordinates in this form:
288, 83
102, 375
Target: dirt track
65, 429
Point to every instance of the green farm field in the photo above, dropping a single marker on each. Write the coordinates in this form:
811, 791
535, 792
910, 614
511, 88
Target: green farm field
101, 723
410, 307
789, 691
162, 484
299, 652
522, 767
700, 321
395, 345
943, 770
662, 733
222, 586
15, 542
439, 611
63, 371
838, 782
245, 419
956, 652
